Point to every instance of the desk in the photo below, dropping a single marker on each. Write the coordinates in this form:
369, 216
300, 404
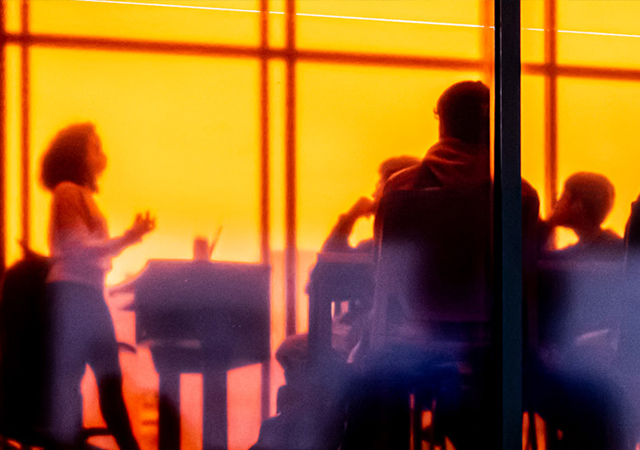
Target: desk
335, 277
201, 317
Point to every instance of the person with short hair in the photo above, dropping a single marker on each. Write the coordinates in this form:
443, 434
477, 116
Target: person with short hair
585, 203
461, 157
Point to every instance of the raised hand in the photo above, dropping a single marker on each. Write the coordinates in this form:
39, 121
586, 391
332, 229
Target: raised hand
362, 208
142, 225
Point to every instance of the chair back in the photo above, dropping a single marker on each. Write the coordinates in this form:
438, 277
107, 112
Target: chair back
433, 275
23, 337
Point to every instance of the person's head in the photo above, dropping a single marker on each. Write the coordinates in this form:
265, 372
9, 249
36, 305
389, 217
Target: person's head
463, 112
75, 155
390, 167
587, 199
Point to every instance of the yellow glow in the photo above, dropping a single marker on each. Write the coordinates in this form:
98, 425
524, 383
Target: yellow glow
533, 134
350, 119
609, 32
398, 27
277, 38
13, 202
12, 15
597, 119
183, 133
277, 197
168, 5
532, 38
199, 21
182, 139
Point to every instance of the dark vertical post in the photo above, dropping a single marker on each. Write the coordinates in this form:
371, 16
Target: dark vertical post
265, 219
215, 426
290, 171
3, 140
24, 80
508, 221
551, 105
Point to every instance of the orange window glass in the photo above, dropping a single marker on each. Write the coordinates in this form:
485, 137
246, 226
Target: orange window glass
406, 27
182, 139
533, 134
532, 37
12, 15
195, 21
599, 33
350, 119
276, 74
277, 36
13, 158
596, 133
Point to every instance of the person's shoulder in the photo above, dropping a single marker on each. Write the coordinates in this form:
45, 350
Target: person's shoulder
70, 193
404, 179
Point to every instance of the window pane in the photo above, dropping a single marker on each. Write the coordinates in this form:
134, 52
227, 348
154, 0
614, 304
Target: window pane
532, 38
598, 33
582, 298
13, 158
12, 16
597, 119
171, 127
350, 119
182, 138
533, 133
277, 35
406, 27
277, 195
195, 21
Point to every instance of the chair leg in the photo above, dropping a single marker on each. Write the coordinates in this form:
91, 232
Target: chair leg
417, 408
530, 431
425, 403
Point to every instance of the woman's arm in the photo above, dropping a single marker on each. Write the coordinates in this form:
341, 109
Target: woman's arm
72, 221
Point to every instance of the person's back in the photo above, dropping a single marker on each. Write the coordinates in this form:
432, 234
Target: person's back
461, 155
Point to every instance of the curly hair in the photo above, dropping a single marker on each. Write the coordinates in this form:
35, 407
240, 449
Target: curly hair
66, 158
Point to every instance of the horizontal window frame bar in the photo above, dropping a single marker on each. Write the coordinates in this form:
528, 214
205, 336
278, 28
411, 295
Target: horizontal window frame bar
317, 56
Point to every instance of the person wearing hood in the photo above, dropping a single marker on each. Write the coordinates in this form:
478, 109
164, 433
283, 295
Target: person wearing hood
460, 158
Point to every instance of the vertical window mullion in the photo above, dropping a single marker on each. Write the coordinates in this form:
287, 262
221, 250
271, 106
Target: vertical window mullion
551, 105
508, 222
265, 197
290, 171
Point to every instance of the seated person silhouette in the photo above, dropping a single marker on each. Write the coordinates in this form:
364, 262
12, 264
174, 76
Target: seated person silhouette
586, 200
398, 346
293, 350
338, 239
460, 158
307, 414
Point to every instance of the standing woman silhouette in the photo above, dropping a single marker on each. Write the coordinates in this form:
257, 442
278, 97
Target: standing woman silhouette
80, 325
